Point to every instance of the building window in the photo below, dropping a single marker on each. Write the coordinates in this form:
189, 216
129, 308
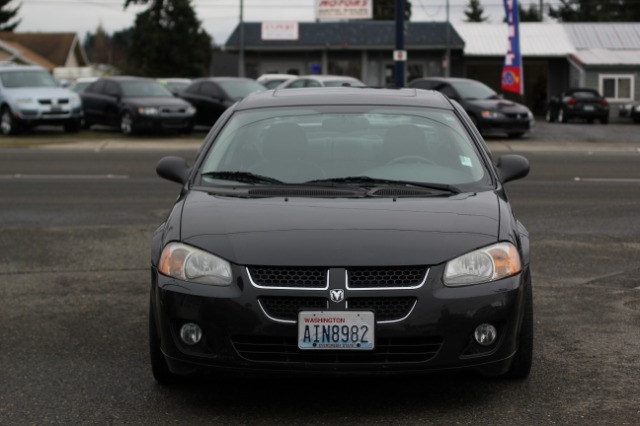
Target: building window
617, 87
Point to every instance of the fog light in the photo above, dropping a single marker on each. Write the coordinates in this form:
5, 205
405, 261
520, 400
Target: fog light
485, 334
190, 333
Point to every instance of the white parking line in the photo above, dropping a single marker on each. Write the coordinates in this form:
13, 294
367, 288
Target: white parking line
78, 177
611, 180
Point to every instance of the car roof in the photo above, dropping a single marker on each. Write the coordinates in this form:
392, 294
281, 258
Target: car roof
5, 66
123, 78
326, 77
223, 79
344, 96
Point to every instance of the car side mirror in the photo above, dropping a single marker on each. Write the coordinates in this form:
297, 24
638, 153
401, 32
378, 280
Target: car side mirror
174, 169
511, 167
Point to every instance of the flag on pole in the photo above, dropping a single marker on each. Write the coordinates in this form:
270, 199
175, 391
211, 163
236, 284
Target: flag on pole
512, 73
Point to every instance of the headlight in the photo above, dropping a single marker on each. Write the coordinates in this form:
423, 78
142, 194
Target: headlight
24, 101
188, 263
637, 108
492, 114
484, 265
148, 111
75, 101
191, 110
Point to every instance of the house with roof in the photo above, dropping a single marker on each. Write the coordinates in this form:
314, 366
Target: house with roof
362, 49
60, 53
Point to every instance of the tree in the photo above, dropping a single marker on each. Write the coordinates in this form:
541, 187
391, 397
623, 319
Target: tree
7, 14
385, 10
167, 40
531, 14
596, 11
474, 12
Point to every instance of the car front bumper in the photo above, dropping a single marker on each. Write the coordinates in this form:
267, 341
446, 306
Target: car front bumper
163, 122
49, 115
424, 329
505, 125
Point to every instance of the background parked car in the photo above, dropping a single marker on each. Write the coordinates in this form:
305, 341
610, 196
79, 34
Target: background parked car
175, 85
213, 95
29, 96
135, 104
271, 81
578, 103
486, 108
631, 111
321, 81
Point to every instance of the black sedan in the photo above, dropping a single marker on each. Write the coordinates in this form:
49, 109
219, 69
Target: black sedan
488, 111
342, 231
586, 104
135, 104
212, 96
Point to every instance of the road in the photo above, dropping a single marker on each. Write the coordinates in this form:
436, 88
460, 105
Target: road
75, 225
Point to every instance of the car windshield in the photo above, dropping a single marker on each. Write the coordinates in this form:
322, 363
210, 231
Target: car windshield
239, 89
146, 89
344, 145
34, 78
472, 90
339, 83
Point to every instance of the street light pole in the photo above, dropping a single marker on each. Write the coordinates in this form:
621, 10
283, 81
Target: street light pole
447, 55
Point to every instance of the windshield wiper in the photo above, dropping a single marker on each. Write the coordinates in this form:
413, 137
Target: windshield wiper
245, 177
369, 181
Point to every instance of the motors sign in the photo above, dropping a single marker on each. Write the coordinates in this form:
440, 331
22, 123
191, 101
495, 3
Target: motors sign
344, 9
279, 30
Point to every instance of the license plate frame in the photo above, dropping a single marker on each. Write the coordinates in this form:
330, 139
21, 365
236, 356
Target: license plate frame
325, 330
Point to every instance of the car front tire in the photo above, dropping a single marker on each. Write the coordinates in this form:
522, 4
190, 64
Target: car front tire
8, 124
126, 123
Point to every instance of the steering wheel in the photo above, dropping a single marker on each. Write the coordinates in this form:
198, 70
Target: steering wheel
411, 159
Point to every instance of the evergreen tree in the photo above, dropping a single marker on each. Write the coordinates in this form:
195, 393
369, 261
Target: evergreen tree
596, 11
7, 14
531, 14
385, 10
475, 12
167, 40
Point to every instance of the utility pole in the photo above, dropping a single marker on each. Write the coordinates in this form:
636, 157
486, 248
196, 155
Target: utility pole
400, 55
447, 55
241, 49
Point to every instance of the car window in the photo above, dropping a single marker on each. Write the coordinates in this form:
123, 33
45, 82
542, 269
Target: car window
112, 88
300, 145
96, 87
473, 90
297, 84
144, 88
210, 90
312, 83
193, 89
28, 78
239, 89
448, 91
585, 94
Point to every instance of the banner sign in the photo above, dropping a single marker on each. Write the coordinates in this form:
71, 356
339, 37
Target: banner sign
279, 30
512, 73
344, 9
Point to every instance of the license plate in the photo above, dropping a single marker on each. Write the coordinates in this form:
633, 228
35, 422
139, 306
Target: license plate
588, 107
56, 108
336, 330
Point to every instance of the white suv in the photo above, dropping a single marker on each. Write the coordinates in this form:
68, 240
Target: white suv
29, 96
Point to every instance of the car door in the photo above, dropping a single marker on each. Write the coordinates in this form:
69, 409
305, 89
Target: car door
212, 102
111, 103
91, 102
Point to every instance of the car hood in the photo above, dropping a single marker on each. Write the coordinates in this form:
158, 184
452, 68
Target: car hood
498, 105
340, 232
41, 92
156, 101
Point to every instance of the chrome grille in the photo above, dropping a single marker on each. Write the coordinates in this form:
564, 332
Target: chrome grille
387, 350
385, 308
285, 277
391, 277
285, 308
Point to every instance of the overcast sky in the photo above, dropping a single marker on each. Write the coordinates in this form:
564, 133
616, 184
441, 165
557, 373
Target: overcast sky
218, 17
